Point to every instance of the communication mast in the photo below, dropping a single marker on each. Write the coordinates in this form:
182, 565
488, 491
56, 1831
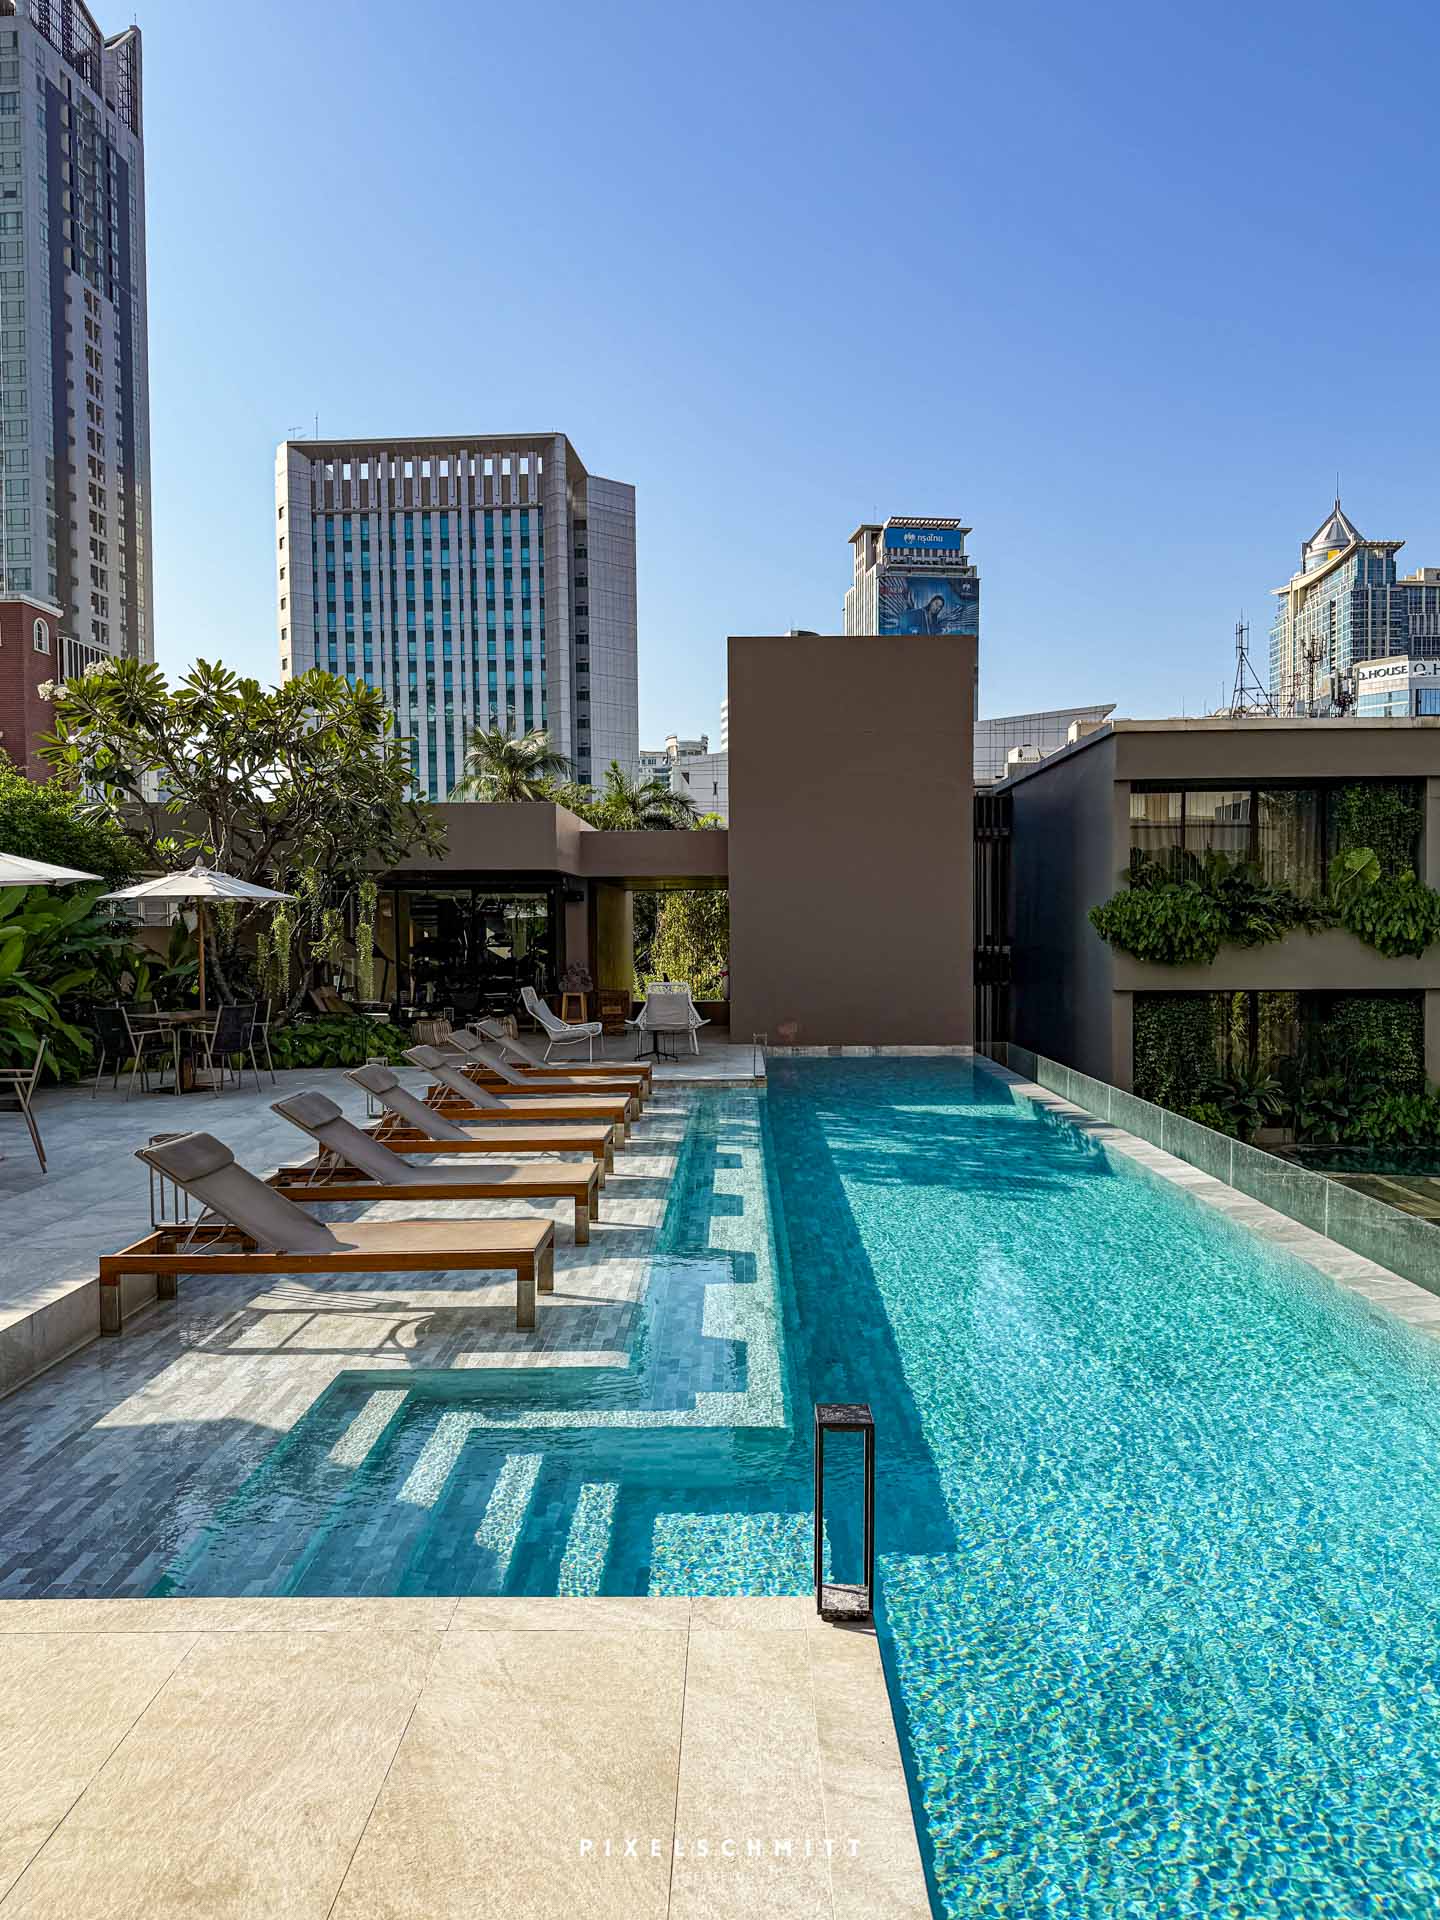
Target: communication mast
1248, 695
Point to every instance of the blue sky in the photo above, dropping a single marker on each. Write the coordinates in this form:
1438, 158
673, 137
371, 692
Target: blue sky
1123, 286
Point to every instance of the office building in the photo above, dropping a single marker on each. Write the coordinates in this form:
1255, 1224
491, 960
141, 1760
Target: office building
1346, 605
1257, 789
688, 767
1030, 736
1397, 688
912, 576
75, 567
485, 580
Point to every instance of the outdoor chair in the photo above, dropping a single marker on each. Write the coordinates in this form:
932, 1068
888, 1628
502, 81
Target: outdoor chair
215, 1048
562, 1033
486, 1066
465, 1099
260, 1037
351, 1164
521, 1054
117, 1039
412, 1127
248, 1228
22, 1082
486, 1060
669, 1008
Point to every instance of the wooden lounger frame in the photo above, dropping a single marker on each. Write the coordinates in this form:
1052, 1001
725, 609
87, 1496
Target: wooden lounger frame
169, 1251
559, 1136
446, 1100
329, 1180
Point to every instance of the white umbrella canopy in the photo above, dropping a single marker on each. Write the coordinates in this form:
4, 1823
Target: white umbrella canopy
16, 871
197, 883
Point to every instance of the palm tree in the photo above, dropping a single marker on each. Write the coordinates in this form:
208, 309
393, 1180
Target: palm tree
505, 766
629, 806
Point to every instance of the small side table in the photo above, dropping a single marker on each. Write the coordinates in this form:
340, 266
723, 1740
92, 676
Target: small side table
572, 1008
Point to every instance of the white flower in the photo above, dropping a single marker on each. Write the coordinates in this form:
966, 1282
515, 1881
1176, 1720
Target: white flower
47, 689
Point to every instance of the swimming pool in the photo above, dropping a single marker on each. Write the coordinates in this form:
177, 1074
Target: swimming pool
1159, 1560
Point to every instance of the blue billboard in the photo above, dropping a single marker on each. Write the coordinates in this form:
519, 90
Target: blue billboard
925, 539
929, 602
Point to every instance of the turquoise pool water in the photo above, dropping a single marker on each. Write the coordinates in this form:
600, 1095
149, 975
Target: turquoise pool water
1159, 1508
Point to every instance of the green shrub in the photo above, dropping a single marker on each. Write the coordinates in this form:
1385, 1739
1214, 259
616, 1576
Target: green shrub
59, 955
337, 1040
1376, 1041
1386, 815
1398, 915
1174, 1041
1401, 1120
1209, 1113
1181, 914
41, 820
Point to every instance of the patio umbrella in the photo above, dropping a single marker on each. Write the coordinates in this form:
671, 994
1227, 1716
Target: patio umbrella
198, 883
16, 871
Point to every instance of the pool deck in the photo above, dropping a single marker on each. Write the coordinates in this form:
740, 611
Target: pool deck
448, 1760
95, 1197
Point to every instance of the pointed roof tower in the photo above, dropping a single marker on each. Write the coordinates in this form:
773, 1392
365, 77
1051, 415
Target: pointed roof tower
1336, 532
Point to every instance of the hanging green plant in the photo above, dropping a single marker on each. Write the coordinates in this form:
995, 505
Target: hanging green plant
369, 899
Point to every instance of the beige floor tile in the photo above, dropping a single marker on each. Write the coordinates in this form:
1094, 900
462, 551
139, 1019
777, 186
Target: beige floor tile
749, 1783
66, 1702
524, 1748
875, 1863
599, 1613
300, 1615
762, 1613
243, 1789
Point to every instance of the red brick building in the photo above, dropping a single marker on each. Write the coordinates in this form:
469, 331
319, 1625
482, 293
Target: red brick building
31, 653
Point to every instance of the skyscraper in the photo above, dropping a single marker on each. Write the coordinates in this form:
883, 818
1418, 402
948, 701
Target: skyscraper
913, 576
1343, 606
75, 570
476, 581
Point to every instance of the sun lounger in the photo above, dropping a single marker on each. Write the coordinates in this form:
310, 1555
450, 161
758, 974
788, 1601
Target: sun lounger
250, 1229
350, 1165
487, 1068
521, 1055
410, 1126
463, 1099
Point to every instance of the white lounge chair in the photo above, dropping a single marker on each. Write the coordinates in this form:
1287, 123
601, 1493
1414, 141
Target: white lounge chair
669, 1008
560, 1033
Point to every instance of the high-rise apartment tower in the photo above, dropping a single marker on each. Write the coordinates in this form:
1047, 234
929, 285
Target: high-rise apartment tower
75, 566
477, 581
1344, 606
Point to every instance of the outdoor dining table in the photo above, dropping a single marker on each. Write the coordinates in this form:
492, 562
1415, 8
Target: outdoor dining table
173, 1021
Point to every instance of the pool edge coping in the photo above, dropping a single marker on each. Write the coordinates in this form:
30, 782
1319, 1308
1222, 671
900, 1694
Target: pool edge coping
1405, 1299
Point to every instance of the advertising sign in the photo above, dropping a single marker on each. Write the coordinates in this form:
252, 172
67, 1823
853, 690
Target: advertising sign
1394, 669
924, 539
928, 602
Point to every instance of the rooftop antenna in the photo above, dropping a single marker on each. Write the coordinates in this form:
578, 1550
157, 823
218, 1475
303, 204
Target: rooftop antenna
1247, 695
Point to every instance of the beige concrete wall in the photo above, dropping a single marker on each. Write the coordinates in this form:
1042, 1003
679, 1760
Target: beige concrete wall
851, 804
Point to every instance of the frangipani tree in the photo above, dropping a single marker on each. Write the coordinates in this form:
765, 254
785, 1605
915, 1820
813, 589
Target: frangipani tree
303, 788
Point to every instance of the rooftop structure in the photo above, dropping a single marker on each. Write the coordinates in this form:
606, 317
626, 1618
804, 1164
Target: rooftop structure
476, 580
1345, 605
912, 575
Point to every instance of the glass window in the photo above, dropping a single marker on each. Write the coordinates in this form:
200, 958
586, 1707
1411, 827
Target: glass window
1154, 825
1288, 838
1218, 823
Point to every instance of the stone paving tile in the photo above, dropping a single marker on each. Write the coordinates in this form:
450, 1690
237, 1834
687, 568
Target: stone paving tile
116, 1457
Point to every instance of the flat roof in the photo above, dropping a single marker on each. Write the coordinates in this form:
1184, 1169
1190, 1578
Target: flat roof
1252, 724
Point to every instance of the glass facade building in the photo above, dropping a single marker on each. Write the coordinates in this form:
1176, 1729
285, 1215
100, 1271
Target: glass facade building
74, 361
477, 584
1345, 606
1400, 688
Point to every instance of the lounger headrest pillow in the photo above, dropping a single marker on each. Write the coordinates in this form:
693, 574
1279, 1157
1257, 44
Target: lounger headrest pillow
308, 1109
426, 1056
374, 1078
190, 1156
